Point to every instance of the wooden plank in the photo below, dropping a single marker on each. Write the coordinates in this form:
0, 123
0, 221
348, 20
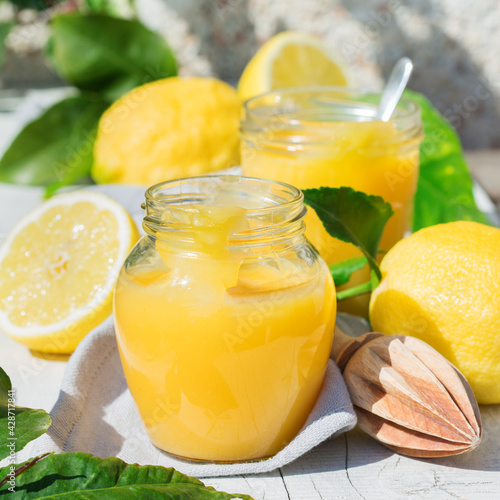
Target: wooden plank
322, 474
36, 381
269, 486
376, 472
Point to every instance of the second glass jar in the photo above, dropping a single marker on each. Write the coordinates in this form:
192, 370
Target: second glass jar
327, 136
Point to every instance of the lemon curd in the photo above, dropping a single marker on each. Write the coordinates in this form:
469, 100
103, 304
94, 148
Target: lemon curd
313, 137
224, 318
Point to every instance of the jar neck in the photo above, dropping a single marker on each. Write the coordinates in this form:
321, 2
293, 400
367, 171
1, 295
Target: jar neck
292, 119
223, 212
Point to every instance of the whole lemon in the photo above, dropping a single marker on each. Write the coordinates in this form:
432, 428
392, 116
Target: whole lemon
442, 285
171, 128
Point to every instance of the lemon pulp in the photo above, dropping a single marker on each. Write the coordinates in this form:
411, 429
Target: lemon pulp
58, 267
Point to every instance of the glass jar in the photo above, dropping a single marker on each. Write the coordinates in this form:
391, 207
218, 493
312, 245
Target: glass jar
224, 318
328, 136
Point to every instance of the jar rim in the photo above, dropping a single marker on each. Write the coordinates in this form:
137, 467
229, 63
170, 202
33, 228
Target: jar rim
297, 194
298, 109
286, 199
412, 107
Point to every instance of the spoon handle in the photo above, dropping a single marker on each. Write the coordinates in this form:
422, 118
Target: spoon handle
394, 89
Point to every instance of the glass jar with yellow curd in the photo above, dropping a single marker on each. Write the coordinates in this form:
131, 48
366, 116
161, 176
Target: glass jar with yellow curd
224, 318
327, 136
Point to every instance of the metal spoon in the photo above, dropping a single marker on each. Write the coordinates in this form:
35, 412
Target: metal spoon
394, 89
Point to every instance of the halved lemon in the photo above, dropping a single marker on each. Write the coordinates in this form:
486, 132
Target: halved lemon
58, 268
291, 59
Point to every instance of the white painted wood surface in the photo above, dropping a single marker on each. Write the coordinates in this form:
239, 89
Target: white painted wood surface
353, 466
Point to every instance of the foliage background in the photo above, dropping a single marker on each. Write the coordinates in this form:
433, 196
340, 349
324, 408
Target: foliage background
454, 44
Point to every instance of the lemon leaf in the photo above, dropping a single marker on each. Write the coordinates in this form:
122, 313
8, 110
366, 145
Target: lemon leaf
356, 291
18, 425
115, 8
80, 475
56, 148
444, 190
352, 216
341, 271
100, 53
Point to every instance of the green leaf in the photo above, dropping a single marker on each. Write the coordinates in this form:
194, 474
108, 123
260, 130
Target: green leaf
341, 271
352, 216
444, 191
5, 387
18, 425
116, 8
356, 291
4, 31
57, 148
443, 195
79, 475
111, 56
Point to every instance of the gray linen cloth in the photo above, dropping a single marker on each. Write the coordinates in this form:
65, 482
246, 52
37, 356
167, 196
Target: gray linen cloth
95, 412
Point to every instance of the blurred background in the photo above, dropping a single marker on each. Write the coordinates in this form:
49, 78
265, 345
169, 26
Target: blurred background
454, 45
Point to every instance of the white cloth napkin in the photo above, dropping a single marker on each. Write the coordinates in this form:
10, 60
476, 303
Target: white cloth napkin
95, 413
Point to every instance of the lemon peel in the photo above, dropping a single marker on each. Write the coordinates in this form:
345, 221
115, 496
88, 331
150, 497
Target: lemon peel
167, 129
442, 285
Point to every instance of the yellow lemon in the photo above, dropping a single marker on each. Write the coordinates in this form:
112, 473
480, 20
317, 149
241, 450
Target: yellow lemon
291, 59
58, 268
442, 285
171, 128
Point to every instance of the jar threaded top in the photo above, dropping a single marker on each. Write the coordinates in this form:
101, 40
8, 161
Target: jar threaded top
311, 116
272, 211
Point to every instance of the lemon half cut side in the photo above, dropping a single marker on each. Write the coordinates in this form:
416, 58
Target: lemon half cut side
292, 59
58, 268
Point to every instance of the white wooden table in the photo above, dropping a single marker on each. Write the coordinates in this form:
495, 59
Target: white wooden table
352, 466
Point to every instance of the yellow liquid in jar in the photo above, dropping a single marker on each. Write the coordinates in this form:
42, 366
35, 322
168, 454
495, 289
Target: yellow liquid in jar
361, 155
228, 366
